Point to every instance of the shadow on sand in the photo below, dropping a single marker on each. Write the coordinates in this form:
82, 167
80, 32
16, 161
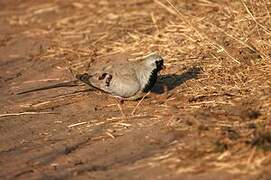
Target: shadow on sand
171, 81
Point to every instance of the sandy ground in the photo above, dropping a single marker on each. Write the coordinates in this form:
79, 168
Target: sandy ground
208, 117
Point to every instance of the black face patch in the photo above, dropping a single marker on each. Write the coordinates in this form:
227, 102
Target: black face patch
151, 82
159, 64
153, 76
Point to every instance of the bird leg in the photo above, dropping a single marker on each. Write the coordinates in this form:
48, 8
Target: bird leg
119, 102
134, 110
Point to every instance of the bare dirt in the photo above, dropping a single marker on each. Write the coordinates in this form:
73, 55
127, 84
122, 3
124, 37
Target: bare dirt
208, 117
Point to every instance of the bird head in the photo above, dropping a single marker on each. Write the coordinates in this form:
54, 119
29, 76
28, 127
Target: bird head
155, 61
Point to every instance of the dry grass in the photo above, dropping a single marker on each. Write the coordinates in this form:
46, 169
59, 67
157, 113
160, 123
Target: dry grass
226, 110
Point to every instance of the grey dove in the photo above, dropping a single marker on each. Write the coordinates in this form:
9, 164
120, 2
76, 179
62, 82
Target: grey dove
127, 81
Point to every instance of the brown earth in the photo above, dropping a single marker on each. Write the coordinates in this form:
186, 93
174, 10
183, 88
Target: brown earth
208, 117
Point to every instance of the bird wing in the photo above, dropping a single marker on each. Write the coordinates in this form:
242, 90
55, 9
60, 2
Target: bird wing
118, 80
124, 82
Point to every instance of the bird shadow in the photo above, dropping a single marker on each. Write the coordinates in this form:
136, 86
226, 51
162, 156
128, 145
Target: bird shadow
171, 81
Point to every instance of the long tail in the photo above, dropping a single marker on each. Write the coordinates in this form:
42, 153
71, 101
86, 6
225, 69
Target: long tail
62, 84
